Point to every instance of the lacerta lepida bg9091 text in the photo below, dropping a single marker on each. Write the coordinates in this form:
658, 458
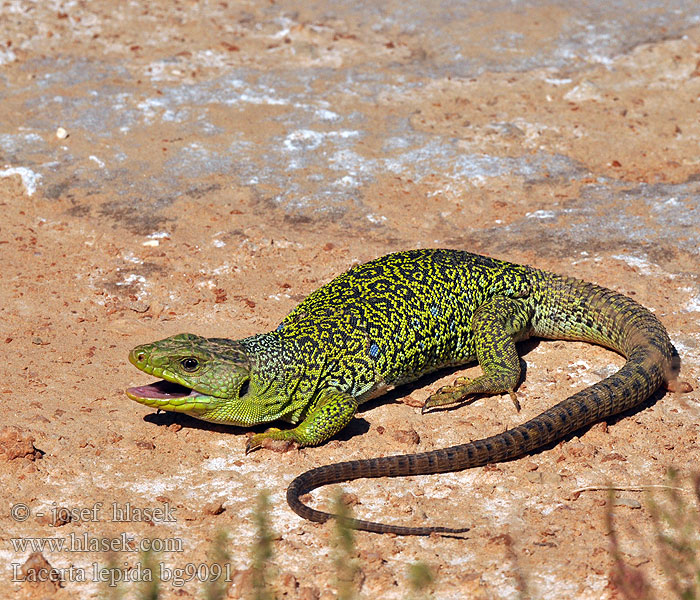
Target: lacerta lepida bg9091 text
388, 322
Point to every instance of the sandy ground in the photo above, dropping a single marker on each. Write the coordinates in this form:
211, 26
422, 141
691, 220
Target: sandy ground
219, 161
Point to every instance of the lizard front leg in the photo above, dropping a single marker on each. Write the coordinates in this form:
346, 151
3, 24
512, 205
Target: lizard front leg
332, 412
495, 325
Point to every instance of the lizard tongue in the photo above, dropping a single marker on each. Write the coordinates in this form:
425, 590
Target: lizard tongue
162, 390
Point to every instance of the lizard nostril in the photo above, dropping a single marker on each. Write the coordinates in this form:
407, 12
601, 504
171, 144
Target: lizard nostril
140, 357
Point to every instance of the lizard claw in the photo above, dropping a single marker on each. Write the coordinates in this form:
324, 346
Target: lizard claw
252, 445
448, 394
514, 398
255, 442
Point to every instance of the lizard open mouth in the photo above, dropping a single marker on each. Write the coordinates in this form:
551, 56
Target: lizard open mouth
160, 391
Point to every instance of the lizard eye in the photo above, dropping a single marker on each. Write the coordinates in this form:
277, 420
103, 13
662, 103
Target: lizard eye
190, 364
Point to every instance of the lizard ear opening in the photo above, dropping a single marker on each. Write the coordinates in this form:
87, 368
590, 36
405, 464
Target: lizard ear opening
243, 390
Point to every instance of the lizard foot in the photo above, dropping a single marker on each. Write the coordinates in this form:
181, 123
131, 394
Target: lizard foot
448, 394
272, 439
463, 387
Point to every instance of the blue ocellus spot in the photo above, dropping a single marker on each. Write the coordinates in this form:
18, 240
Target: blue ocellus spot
374, 350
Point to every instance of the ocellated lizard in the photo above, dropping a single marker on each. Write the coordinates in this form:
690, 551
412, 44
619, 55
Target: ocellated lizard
388, 322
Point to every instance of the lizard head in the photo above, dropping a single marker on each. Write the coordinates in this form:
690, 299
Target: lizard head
205, 378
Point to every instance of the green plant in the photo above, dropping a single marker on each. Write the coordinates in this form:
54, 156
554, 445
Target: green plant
114, 591
420, 578
216, 586
676, 525
262, 549
344, 554
150, 586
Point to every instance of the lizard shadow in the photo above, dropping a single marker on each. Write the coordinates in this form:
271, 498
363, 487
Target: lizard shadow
357, 426
164, 418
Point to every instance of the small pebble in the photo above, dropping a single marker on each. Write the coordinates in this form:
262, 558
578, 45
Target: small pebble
350, 499
40, 575
534, 477
409, 436
61, 133
57, 517
215, 507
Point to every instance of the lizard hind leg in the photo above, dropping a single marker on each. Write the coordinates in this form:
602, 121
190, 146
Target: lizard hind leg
496, 326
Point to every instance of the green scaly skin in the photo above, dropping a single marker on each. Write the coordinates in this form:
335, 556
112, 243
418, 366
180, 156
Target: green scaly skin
390, 321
